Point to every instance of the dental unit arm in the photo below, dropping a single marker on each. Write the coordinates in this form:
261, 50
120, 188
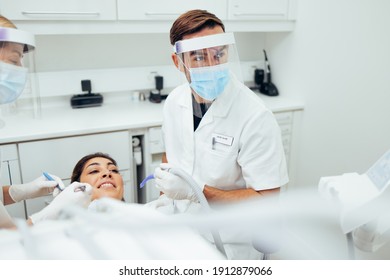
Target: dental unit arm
363, 201
199, 194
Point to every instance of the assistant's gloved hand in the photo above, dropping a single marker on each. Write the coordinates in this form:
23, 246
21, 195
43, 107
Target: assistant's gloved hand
75, 194
172, 185
39, 187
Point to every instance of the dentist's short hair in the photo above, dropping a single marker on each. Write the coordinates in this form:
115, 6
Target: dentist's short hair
192, 22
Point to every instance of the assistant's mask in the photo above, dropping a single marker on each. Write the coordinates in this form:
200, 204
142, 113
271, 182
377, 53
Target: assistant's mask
12, 82
208, 63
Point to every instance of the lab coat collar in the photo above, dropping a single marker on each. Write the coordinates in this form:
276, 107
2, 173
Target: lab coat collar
223, 103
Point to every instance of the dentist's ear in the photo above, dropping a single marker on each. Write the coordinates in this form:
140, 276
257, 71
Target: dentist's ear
177, 63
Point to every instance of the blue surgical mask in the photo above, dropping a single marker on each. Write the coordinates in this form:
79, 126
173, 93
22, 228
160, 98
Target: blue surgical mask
209, 82
12, 82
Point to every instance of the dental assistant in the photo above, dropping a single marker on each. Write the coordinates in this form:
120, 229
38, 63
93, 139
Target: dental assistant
214, 127
14, 45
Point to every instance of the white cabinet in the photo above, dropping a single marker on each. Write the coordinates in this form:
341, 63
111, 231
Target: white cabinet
10, 174
167, 9
285, 121
154, 150
148, 16
260, 9
59, 9
59, 156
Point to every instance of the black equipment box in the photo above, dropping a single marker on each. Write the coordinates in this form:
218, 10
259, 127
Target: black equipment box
86, 100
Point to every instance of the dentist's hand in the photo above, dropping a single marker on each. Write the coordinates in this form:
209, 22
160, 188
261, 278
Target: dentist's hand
172, 185
75, 194
39, 187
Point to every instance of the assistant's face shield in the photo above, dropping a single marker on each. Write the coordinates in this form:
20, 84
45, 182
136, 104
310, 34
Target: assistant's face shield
17, 73
15, 62
209, 63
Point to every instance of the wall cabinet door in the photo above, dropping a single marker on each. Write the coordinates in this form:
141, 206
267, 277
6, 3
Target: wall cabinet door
167, 9
259, 9
59, 9
10, 174
59, 156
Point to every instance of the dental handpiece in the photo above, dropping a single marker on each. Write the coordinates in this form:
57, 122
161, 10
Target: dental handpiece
48, 177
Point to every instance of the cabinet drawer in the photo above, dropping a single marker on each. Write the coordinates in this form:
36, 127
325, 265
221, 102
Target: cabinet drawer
10, 174
9, 165
167, 9
284, 118
59, 9
156, 143
8, 152
285, 129
156, 148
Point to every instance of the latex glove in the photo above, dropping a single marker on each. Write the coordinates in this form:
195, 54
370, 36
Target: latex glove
72, 195
172, 185
39, 187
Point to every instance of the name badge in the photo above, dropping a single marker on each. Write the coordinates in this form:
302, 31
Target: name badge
222, 139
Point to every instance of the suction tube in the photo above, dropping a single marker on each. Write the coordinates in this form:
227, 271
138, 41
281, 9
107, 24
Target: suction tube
199, 194
203, 202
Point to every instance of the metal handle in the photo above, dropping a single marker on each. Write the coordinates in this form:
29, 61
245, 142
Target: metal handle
60, 13
256, 14
161, 14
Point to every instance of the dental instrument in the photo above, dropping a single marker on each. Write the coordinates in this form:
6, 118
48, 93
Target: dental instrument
143, 183
48, 177
80, 189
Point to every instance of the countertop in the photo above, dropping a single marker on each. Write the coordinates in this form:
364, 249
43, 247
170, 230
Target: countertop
64, 121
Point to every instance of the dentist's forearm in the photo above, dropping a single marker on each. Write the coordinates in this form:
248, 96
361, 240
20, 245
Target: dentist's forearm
213, 194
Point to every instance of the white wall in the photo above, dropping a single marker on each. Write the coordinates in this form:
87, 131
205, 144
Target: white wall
79, 52
337, 59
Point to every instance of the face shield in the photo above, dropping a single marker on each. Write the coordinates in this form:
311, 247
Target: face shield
17, 71
209, 64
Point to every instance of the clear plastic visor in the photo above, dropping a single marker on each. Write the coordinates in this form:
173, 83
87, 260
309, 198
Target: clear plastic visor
18, 81
208, 64
209, 51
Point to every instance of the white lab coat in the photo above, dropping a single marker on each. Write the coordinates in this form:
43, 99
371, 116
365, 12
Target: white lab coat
250, 153
254, 158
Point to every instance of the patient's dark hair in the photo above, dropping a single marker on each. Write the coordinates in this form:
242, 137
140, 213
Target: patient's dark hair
79, 167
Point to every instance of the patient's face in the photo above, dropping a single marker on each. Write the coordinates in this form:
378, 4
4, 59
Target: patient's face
104, 177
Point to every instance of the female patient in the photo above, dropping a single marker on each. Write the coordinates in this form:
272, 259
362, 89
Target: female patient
101, 172
94, 176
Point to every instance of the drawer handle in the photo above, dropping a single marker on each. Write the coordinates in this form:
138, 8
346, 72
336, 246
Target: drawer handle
61, 13
161, 14
257, 14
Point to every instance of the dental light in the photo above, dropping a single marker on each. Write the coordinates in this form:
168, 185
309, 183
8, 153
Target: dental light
363, 202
